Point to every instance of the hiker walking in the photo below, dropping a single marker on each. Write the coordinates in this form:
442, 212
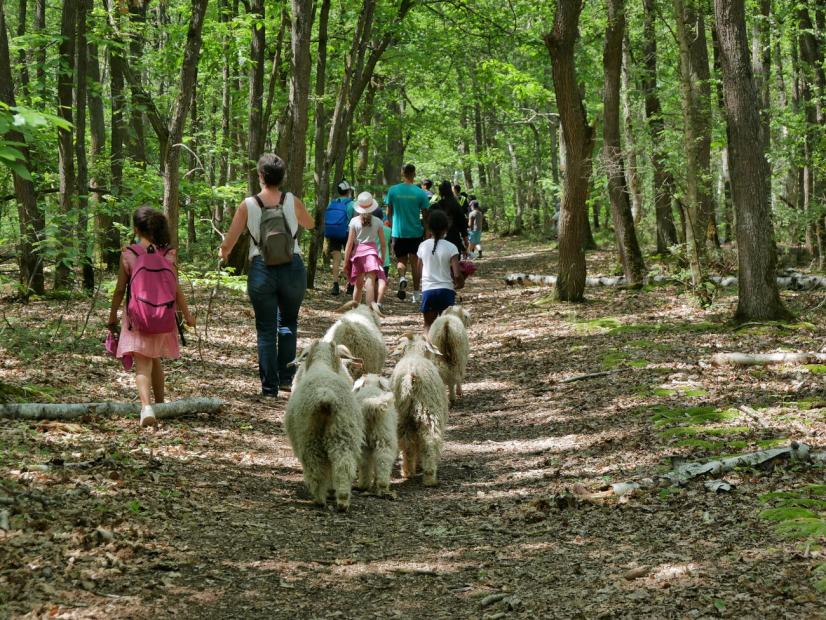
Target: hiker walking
277, 279
148, 277
337, 217
457, 222
406, 205
475, 222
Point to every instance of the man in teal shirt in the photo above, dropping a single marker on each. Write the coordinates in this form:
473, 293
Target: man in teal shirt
407, 208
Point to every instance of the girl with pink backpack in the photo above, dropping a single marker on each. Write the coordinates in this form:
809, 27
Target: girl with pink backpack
148, 277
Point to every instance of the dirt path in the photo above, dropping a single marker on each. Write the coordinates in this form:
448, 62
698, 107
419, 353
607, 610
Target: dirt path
207, 517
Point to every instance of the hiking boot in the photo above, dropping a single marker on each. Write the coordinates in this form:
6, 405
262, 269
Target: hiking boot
335, 290
350, 288
148, 416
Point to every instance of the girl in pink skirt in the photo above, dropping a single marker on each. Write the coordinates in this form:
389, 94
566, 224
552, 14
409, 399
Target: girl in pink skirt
152, 231
361, 256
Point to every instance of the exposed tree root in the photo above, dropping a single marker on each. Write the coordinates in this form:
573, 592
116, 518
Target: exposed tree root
66, 411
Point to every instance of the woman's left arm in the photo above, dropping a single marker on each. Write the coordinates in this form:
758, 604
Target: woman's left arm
305, 220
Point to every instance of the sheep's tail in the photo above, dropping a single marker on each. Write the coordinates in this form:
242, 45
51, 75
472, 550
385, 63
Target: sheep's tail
408, 385
425, 419
324, 412
448, 346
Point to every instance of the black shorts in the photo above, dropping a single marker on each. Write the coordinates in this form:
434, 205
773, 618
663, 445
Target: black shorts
336, 245
405, 246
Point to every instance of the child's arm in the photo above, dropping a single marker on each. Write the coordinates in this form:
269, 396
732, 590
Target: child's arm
117, 297
382, 245
180, 300
456, 271
349, 249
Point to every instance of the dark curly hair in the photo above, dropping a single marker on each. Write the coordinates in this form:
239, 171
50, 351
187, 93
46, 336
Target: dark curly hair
153, 225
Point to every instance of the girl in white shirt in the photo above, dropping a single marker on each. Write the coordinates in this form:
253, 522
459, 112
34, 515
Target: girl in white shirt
439, 266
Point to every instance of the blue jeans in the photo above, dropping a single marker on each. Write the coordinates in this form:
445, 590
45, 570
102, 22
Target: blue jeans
276, 294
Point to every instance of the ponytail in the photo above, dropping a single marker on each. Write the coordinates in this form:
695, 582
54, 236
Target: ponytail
438, 224
435, 241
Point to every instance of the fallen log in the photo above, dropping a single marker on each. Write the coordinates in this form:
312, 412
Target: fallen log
67, 411
764, 359
687, 471
788, 281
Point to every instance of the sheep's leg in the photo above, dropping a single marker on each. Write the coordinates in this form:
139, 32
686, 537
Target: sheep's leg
431, 451
384, 460
410, 454
344, 470
459, 390
364, 470
451, 386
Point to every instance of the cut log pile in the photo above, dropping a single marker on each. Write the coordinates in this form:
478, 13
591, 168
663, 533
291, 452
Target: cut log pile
792, 281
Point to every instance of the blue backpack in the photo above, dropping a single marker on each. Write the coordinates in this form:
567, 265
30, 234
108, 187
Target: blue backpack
335, 219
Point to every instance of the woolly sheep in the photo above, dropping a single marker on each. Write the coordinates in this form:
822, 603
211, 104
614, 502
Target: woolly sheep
324, 424
449, 336
378, 407
421, 402
360, 331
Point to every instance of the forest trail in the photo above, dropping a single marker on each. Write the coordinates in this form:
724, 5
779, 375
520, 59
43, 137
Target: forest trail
208, 517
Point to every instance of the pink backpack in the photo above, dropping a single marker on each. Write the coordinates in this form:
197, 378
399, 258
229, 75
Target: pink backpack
153, 287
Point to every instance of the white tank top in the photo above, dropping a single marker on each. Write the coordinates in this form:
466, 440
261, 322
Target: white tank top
254, 221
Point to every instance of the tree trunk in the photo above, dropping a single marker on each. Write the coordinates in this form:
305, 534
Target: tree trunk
761, 64
110, 246
296, 130
758, 295
108, 240
256, 94
40, 52
29, 216
137, 135
553, 124
629, 249
66, 165
82, 187
663, 183
579, 142
189, 71
518, 192
631, 171
22, 9
478, 144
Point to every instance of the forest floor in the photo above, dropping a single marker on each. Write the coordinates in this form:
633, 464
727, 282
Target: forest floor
207, 516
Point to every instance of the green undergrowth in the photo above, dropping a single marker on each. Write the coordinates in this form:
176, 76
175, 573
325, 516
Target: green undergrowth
614, 326
53, 337
816, 369
27, 393
708, 429
800, 514
620, 358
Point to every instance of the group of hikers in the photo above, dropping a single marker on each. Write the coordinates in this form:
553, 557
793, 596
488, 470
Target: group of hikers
427, 234
398, 231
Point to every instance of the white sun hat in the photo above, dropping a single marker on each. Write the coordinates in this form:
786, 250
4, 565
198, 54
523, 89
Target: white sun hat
365, 203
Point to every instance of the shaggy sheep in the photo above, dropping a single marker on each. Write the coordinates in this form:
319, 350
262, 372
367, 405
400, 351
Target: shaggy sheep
449, 336
421, 402
360, 331
324, 424
374, 395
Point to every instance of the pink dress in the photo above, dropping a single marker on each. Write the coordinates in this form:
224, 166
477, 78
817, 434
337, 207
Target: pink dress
365, 259
133, 341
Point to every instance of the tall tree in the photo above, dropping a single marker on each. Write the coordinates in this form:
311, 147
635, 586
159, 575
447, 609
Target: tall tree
256, 93
758, 295
631, 171
172, 157
82, 180
579, 143
626, 234
29, 216
295, 133
662, 179
108, 239
66, 166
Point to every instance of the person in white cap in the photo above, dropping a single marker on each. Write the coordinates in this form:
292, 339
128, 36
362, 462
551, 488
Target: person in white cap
361, 256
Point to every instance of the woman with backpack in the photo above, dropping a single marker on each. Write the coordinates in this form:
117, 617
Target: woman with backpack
336, 220
148, 277
277, 280
456, 217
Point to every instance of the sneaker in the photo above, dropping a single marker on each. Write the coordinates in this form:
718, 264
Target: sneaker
285, 388
414, 299
401, 294
335, 290
350, 288
148, 416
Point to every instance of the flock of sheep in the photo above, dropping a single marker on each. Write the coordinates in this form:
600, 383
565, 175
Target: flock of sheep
342, 430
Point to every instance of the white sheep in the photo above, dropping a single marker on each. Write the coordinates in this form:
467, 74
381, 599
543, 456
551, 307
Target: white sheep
449, 336
324, 423
381, 444
421, 402
360, 331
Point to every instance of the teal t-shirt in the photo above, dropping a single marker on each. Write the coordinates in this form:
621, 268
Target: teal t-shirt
351, 209
407, 201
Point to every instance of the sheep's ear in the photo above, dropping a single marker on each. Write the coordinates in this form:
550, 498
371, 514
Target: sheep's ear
376, 310
399, 350
299, 359
384, 384
343, 351
358, 384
